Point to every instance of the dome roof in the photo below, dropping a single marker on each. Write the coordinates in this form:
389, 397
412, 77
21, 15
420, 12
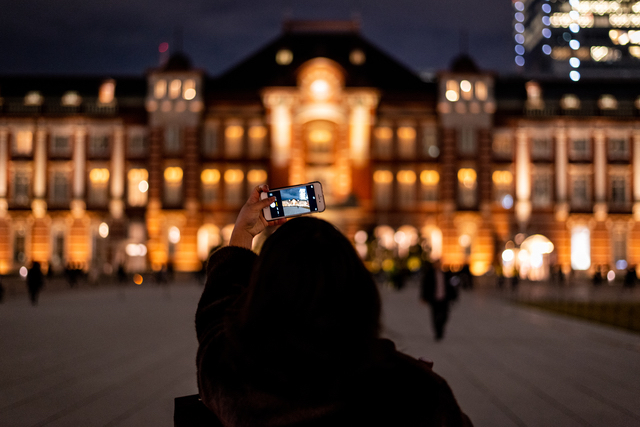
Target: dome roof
177, 62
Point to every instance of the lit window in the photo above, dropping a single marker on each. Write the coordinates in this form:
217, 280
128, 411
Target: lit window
466, 89
255, 177
97, 193
137, 187
502, 188
382, 184
233, 140
173, 186
481, 91
570, 102
619, 247
284, 57
210, 185
22, 143
406, 187
357, 57
406, 142
107, 92
189, 89
320, 89
257, 141
580, 248
429, 188
160, 89
174, 88
383, 141
33, 98
233, 179
607, 102
534, 95
71, 99
452, 93
320, 142
467, 187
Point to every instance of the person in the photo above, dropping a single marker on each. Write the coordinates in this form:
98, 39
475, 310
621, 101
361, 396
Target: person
438, 291
630, 278
35, 282
291, 337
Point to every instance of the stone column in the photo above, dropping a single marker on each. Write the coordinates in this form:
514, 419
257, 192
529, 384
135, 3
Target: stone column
3, 171
360, 122
562, 205
116, 205
600, 175
280, 118
636, 175
523, 178
39, 205
79, 172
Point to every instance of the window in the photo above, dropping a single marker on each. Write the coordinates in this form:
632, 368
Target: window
467, 141
172, 139
107, 92
189, 89
320, 136
137, 187
466, 88
33, 99
570, 102
580, 248
580, 147
22, 143
71, 99
233, 141
607, 102
233, 179
21, 185
541, 187
173, 186
618, 148
210, 179
467, 187
619, 247
210, 146
430, 142
255, 177
382, 182
481, 91
406, 188
580, 190
406, 142
60, 146
502, 144
160, 89
429, 185
542, 147
19, 246
137, 144
619, 189
257, 141
98, 190
452, 92
59, 189
174, 88
383, 142
503, 188
98, 145
534, 95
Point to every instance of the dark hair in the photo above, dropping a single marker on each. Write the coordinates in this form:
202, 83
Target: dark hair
310, 302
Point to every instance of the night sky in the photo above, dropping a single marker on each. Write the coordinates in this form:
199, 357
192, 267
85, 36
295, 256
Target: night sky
121, 37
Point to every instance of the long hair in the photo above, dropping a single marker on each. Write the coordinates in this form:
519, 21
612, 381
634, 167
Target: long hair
310, 302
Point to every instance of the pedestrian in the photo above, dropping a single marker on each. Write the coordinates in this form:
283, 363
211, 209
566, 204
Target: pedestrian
466, 278
35, 282
630, 278
292, 337
597, 277
438, 291
1, 290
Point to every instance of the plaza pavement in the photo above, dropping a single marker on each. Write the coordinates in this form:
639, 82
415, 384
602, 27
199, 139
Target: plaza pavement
117, 357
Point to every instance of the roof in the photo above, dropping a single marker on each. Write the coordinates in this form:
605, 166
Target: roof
56, 86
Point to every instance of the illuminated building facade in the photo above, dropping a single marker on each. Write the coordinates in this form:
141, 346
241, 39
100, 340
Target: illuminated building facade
577, 39
143, 171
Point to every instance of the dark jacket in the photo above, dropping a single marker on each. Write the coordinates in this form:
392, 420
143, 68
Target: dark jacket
428, 285
388, 388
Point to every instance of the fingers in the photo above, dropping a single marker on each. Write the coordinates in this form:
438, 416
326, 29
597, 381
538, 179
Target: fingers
266, 202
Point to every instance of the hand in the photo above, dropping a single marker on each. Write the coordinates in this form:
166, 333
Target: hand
251, 221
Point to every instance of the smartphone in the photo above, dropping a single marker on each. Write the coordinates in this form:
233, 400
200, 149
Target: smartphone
294, 201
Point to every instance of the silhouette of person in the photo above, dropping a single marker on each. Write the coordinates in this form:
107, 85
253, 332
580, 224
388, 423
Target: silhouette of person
438, 292
291, 337
630, 278
35, 282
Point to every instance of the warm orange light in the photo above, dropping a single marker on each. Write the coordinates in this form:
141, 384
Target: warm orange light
233, 176
160, 90
451, 95
429, 177
383, 176
406, 177
257, 132
173, 174
71, 99
465, 86
99, 176
255, 176
502, 178
383, 133
137, 279
234, 132
174, 88
137, 174
406, 132
320, 89
189, 89
467, 177
284, 57
320, 135
210, 176
481, 91
107, 92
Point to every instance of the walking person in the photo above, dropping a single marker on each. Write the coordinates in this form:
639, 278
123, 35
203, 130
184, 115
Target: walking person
291, 337
35, 282
438, 291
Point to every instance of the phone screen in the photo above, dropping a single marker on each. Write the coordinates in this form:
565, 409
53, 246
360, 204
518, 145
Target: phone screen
293, 201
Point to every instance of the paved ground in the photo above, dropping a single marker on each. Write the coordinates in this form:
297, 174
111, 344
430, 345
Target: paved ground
107, 357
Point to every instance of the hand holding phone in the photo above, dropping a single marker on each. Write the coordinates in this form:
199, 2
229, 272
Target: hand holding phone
250, 221
294, 201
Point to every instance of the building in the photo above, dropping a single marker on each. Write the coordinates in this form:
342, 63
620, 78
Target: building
573, 38
149, 170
